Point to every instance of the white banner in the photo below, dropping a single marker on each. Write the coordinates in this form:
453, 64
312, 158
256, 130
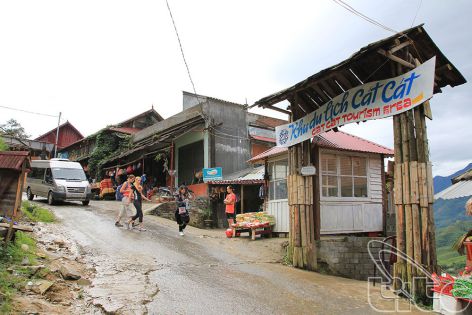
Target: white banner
372, 100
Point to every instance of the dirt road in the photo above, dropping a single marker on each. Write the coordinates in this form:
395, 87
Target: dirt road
203, 272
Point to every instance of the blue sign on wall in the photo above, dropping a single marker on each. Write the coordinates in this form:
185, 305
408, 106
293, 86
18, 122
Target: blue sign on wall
214, 173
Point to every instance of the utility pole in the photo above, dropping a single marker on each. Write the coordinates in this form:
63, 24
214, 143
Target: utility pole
57, 135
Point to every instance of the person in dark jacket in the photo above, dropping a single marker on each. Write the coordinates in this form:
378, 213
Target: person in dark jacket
181, 213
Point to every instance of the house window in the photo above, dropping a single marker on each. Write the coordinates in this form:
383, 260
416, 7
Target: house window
343, 176
278, 172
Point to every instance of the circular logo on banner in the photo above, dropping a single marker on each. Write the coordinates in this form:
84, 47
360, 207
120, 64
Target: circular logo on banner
283, 136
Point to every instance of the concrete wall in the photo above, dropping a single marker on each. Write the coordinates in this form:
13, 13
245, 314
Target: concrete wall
348, 256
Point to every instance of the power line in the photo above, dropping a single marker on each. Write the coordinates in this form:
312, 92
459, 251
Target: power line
363, 16
181, 48
416, 14
29, 112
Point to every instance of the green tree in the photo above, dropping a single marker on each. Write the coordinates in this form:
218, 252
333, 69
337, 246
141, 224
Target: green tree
3, 145
14, 129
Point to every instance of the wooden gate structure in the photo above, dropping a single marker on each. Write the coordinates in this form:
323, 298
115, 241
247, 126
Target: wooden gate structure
380, 60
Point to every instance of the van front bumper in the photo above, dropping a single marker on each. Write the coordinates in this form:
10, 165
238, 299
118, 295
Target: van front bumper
60, 196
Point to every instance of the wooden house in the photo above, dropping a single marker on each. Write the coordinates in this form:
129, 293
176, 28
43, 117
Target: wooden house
351, 183
13, 167
68, 134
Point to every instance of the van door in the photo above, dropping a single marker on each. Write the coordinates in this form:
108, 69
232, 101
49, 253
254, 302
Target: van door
48, 182
35, 180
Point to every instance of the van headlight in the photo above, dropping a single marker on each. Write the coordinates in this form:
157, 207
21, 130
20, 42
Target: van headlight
89, 189
60, 188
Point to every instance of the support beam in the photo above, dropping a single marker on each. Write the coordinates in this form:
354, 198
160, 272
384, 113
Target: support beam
396, 59
278, 109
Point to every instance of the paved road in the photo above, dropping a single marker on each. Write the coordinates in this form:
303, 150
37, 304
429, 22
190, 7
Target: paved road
160, 272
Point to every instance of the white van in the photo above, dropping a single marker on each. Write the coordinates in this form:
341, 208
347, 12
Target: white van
58, 180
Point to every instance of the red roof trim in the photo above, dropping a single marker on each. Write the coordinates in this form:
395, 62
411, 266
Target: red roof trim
261, 138
60, 126
335, 140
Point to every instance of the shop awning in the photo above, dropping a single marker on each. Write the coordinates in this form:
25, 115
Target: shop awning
249, 176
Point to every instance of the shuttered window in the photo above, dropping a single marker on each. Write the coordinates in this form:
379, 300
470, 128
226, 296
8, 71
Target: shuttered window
343, 176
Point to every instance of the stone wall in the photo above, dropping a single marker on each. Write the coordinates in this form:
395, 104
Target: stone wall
167, 210
347, 256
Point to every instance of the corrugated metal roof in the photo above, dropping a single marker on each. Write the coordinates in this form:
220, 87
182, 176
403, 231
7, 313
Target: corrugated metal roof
13, 160
246, 176
127, 130
458, 190
334, 140
345, 141
271, 152
261, 138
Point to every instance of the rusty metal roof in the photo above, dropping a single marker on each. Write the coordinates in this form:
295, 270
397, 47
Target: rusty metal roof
127, 130
13, 160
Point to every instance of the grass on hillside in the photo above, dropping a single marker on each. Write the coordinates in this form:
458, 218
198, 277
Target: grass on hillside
13, 255
36, 213
449, 260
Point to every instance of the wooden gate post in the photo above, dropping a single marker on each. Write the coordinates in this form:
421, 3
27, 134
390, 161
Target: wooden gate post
413, 199
300, 200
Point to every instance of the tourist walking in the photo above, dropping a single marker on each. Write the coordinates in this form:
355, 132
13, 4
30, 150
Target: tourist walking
181, 214
138, 204
127, 191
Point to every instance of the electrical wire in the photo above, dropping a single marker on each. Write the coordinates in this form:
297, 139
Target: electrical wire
363, 16
416, 14
182, 50
29, 112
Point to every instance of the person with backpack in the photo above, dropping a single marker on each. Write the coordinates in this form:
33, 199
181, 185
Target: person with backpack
128, 196
138, 204
182, 215
230, 202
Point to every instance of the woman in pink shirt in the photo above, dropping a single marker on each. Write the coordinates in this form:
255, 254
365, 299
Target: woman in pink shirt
230, 202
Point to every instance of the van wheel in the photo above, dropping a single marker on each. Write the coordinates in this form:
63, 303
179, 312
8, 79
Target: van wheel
50, 199
29, 195
85, 202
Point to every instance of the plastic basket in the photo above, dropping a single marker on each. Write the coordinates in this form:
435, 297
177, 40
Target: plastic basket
468, 250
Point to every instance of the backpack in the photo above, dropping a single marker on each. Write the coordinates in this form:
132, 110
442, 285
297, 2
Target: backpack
118, 194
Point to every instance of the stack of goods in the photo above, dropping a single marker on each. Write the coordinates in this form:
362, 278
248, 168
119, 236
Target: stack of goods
254, 220
106, 188
462, 287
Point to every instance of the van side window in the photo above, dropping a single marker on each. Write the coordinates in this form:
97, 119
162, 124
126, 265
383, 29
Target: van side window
37, 173
48, 177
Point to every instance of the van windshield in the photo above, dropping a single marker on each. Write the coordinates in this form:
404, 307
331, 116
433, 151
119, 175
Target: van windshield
68, 173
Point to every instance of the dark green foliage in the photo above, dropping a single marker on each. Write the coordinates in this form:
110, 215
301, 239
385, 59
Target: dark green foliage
107, 145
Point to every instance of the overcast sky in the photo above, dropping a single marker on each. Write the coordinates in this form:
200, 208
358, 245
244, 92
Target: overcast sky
100, 62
